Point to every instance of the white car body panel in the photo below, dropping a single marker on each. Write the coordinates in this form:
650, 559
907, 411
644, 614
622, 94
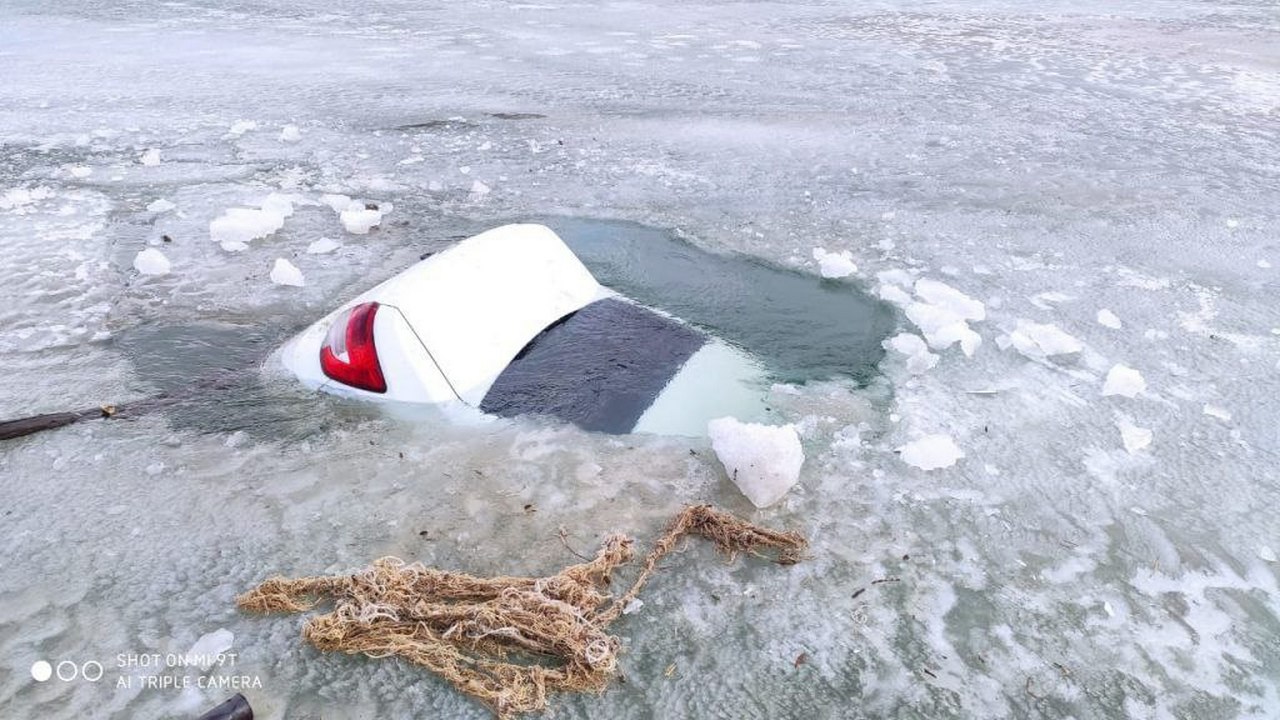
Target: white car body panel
447, 327
718, 380
475, 305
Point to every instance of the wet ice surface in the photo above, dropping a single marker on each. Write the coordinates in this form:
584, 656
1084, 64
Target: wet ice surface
1048, 164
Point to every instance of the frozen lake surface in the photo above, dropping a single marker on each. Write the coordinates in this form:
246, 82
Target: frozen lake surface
1072, 207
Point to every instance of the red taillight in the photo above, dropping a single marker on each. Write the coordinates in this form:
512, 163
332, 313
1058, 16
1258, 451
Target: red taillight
348, 354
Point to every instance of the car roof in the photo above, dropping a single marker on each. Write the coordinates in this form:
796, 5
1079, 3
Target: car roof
476, 304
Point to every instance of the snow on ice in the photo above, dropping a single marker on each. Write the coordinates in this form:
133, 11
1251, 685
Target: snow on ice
762, 460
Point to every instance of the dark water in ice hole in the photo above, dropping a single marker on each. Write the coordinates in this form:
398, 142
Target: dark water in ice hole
802, 327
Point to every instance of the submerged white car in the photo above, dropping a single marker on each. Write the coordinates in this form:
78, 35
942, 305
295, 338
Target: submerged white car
510, 322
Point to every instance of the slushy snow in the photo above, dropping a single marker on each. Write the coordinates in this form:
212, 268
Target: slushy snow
151, 262
834, 265
931, 452
322, 246
18, 198
762, 460
1124, 381
286, 273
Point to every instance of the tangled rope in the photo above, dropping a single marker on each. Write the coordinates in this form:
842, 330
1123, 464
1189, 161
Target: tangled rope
506, 641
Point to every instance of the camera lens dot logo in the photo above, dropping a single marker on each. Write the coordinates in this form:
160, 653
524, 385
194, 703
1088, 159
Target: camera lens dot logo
41, 670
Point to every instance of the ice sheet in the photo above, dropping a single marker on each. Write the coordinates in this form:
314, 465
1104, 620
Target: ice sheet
1045, 161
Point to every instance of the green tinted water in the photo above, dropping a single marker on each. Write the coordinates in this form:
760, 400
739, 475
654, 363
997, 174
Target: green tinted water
803, 327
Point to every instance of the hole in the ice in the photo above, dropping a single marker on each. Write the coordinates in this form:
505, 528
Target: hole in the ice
802, 327
205, 377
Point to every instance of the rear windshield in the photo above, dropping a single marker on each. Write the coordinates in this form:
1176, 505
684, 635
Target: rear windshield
599, 368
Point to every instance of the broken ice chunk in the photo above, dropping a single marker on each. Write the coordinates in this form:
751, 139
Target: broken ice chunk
894, 294
479, 188
1267, 554
241, 127
337, 203
931, 452
945, 296
1134, 438
1217, 412
358, 220
919, 359
1106, 318
151, 262
1124, 381
834, 265
322, 246
237, 226
204, 653
943, 327
150, 158
1042, 340
160, 206
942, 314
633, 606
762, 460
286, 273
279, 204
290, 133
